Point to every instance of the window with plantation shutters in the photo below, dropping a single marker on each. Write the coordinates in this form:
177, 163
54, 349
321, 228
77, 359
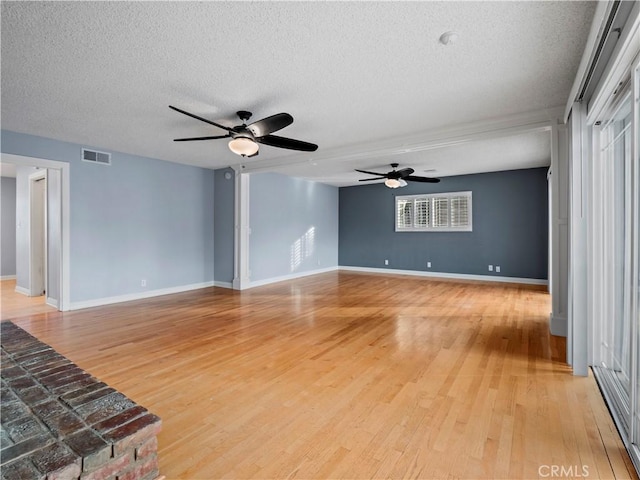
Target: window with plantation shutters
438, 212
404, 217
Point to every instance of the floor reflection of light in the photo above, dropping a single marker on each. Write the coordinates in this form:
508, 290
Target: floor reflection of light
408, 333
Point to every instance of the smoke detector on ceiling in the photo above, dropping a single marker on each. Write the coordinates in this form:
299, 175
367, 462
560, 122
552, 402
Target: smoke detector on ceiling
448, 38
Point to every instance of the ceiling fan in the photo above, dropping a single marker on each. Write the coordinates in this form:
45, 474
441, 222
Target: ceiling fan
397, 178
245, 138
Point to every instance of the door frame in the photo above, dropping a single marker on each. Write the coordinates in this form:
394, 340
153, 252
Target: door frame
65, 189
34, 289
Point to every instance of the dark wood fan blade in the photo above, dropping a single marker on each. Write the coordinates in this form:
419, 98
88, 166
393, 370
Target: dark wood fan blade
290, 143
421, 179
201, 119
405, 172
270, 124
370, 179
200, 138
383, 175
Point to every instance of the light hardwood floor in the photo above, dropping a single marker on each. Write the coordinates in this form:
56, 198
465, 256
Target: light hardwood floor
16, 304
347, 375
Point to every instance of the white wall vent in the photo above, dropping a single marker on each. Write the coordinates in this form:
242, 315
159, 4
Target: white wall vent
94, 156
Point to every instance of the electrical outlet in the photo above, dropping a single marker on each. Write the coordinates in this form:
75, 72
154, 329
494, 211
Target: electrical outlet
428, 264
143, 282
491, 268
497, 268
386, 262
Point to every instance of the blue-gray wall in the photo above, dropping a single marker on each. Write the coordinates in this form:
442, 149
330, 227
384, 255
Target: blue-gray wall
8, 226
139, 218
224, 225
294, 226
510, 227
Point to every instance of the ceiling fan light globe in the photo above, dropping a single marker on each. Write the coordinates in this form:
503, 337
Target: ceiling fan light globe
243, 146
392, 183
402, 183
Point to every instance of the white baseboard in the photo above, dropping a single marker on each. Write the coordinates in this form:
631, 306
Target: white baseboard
558, 325
282, 278
23, 291
217, 283
456, 276
7, 277
137, 296
52, 302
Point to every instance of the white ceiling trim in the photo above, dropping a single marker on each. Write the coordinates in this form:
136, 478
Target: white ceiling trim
531, 122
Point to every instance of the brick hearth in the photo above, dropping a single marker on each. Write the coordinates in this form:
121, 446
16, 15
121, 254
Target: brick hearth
59, 422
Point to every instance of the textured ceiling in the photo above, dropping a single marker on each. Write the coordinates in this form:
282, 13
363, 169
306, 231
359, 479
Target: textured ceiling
351, 73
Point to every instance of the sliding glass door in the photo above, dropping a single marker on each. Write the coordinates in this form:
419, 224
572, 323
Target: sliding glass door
615, 256
635, 283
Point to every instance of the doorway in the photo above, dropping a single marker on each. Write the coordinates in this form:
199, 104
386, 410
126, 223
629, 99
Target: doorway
57, 255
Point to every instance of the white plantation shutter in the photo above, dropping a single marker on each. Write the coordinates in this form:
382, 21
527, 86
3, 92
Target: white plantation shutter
404, 217
423, 212
438, 212
459, 211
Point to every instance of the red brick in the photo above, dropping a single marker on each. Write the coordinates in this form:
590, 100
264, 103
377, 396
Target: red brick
133, 433
33, 395
57, 461
31, 353
35, 357
77, 383
21, 383
147, 448
21, 469
45, 366
89, 397
59, 370
149, 468
6, 362
83, 391
65, 424
108, 410
18, 450
7, 396
24, 428
13, 372
55, 381
88, 445
120, 419
115, 466
48, 409
14, 410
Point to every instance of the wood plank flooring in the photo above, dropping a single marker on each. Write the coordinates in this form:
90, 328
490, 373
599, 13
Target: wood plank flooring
16, 304
348, 375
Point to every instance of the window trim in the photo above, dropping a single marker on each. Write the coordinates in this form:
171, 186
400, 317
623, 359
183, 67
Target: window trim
431, 196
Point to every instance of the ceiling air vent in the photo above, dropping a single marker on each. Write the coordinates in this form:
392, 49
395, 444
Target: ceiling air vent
94, 156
